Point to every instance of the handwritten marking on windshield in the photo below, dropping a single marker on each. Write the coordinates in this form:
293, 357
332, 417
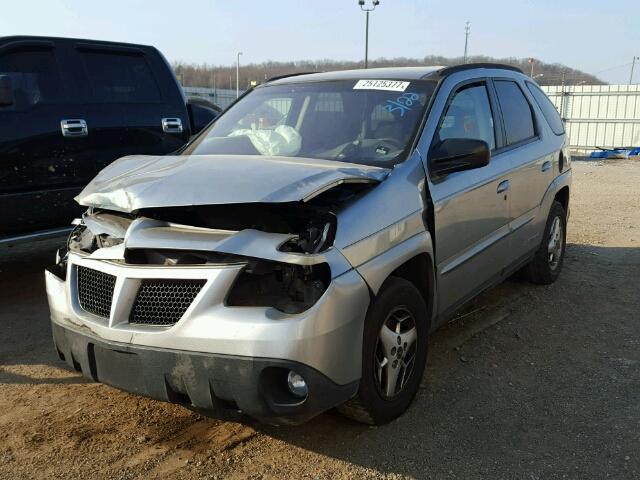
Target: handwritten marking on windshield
403, 103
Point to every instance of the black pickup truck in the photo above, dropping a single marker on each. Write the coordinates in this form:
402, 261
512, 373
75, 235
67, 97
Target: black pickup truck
68, 108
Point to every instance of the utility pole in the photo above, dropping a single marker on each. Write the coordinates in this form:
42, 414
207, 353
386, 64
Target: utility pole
633, 66
238, 74
366, 31
467, 31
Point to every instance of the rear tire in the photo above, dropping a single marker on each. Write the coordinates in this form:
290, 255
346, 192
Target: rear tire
546, 265
392, 365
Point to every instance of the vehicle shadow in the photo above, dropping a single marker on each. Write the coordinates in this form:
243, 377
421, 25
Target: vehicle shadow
409, 444
26, 345
8, 377
509, 385
498, 380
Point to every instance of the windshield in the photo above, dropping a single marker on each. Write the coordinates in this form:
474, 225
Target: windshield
371, 122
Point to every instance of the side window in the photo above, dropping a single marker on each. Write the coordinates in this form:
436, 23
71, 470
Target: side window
516, 112
34, 76
120, 78
469, 116
549, 111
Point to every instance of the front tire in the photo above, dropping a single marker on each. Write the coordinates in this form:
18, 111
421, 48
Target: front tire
545, 267
394, 354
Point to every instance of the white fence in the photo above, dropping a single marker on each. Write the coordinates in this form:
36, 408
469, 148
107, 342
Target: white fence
596, 116
605, 116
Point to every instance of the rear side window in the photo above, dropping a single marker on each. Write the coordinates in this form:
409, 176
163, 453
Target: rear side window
120, 78
34, 75
549, 111
516, 112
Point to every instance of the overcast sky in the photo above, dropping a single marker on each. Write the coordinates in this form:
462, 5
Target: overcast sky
597, 36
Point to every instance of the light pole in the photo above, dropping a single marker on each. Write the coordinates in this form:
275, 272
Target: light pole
375, 3
633, 66
531, 61
238, 74
467, 31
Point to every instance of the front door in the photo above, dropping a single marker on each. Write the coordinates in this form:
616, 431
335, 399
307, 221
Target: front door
471, 208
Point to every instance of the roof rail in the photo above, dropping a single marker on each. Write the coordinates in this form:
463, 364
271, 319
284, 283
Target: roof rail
469, 66
278, 77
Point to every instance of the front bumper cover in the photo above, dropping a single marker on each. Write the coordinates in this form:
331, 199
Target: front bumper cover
213, 384
327, 337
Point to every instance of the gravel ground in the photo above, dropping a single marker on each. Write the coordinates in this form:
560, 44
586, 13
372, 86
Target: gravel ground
529, 383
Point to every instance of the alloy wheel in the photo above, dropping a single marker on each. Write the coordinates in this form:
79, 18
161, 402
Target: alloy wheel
395, 352
556, 240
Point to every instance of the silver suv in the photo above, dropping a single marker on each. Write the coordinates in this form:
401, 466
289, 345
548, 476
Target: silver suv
295, 255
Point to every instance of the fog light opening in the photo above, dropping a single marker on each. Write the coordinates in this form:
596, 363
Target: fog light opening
297, 385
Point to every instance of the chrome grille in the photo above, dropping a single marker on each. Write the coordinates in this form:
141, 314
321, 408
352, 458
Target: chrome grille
95, 291
163, 302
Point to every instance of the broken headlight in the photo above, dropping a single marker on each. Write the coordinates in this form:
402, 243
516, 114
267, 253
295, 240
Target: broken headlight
283, 286
314, 239
83, 240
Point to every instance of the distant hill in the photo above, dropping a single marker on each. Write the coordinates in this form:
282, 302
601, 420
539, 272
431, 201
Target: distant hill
224, 76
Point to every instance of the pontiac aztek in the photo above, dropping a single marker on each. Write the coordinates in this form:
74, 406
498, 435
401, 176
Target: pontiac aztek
295, 256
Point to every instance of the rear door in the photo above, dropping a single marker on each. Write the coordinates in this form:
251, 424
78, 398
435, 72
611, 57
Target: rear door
471, 208
133, 104
531, 162
40, 170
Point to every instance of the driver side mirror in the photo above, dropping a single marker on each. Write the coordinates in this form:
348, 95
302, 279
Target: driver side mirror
6, 91
458, 154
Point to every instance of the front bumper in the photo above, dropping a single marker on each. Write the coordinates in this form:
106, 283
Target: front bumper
215, 351
212, 384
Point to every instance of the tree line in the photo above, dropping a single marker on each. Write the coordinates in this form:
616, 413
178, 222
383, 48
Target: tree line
224, 76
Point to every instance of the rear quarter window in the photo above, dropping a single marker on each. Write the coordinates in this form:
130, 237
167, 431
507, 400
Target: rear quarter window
516, 112
549, 111
120, 78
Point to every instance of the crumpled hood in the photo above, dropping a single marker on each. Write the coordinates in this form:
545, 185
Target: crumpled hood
142, 181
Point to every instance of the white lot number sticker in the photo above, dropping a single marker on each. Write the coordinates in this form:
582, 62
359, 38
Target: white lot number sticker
390, 85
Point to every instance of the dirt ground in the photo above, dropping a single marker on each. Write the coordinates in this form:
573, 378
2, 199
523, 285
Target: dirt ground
528, 383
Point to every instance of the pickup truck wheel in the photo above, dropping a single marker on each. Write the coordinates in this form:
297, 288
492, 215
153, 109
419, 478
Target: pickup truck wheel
547, 263
394, 354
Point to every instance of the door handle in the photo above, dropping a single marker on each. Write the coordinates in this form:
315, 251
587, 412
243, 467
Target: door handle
503, 186
546, 166
74, 128
172, 125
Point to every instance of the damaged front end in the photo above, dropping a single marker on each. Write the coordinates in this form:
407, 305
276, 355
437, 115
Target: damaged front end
255, 287
285, 249
284, 244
